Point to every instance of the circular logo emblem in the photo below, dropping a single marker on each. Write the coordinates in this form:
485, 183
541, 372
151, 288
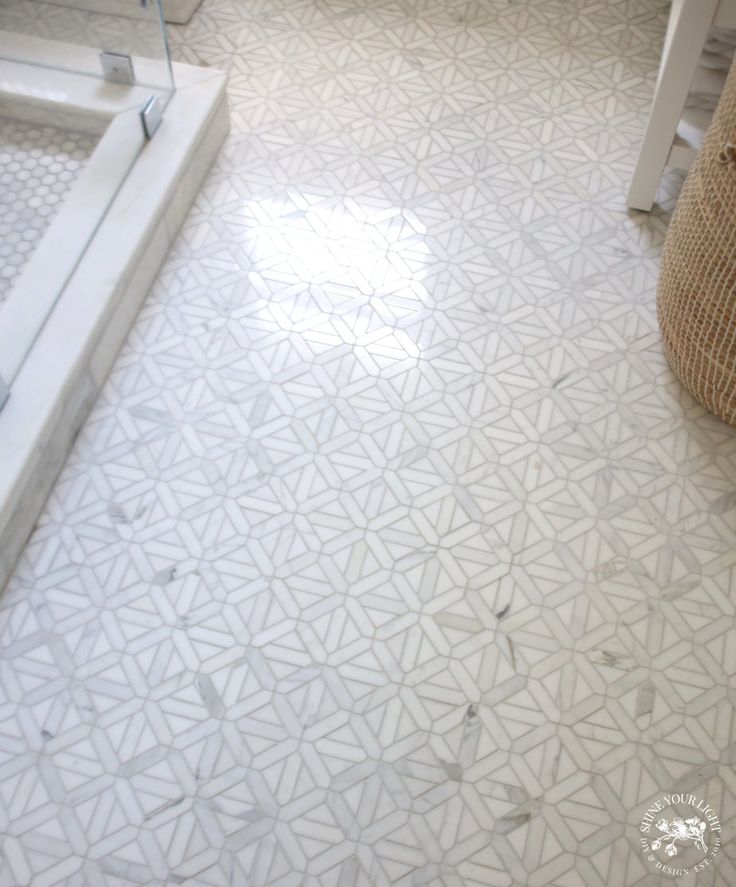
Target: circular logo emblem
680, 835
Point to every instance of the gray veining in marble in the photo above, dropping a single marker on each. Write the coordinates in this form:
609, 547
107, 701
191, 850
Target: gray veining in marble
392, 553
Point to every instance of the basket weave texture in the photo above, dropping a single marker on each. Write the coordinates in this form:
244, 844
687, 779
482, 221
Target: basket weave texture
696, 293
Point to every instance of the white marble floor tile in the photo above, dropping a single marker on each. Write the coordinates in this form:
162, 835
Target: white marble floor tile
392, 552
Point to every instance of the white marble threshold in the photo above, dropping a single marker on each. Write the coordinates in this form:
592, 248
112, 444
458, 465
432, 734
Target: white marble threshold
59, 379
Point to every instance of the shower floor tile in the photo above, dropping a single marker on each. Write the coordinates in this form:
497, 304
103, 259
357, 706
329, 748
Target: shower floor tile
38, 168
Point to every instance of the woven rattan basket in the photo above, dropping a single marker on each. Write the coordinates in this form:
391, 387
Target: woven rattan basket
696, 295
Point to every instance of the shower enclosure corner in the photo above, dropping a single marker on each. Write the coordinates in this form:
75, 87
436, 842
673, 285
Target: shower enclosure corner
84, 85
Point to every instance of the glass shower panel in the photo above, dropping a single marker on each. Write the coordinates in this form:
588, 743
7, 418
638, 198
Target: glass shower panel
75, 76
91, 37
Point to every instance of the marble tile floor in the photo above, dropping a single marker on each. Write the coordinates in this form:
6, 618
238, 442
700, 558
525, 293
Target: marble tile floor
392, 552
38, 167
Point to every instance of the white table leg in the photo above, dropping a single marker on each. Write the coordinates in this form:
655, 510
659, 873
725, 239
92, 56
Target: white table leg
687, 31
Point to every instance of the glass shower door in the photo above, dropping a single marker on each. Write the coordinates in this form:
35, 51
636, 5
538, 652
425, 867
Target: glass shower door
70, 35
75, 80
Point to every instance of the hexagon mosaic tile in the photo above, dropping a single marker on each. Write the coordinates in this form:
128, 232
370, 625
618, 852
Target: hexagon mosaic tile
392, 552
38, 167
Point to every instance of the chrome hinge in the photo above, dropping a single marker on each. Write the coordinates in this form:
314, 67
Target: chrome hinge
151, 116
117, 68
4, 392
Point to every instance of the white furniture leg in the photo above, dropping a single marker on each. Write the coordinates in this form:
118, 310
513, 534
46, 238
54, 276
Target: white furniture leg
687, 31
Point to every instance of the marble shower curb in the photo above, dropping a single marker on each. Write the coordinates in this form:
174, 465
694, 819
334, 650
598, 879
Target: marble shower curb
57, 385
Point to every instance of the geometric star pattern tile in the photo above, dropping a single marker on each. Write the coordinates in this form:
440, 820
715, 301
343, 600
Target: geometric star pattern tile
392, 553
